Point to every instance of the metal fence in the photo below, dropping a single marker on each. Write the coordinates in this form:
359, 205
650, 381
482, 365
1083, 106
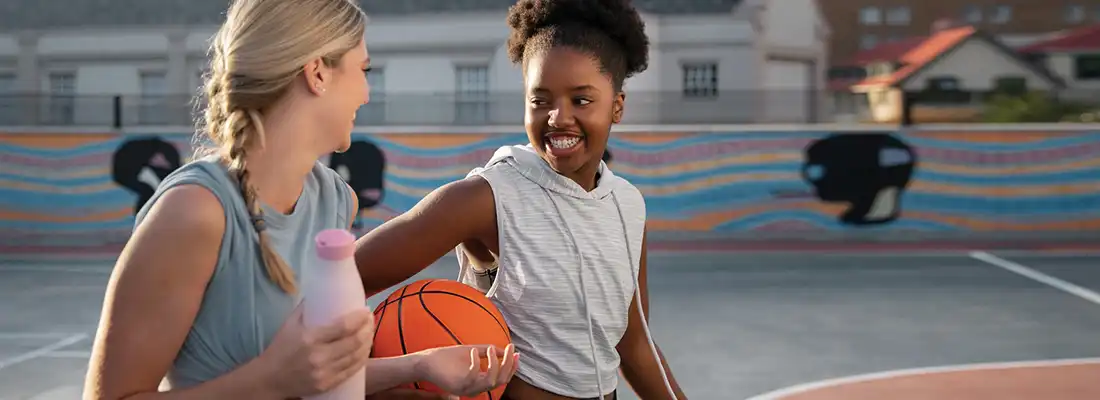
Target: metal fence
643, 108
731, 107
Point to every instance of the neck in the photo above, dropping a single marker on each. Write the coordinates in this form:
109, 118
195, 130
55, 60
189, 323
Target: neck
279, 169
585, 176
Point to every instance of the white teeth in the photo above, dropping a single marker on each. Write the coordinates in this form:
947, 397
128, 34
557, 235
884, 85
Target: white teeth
564, 142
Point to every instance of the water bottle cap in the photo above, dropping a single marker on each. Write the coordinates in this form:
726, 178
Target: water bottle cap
335, 244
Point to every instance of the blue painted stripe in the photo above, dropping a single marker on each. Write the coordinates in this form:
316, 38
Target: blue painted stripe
68, 227
831, 224
62, 182
19, 200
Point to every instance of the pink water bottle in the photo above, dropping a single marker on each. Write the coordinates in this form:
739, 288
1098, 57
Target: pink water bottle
333, 288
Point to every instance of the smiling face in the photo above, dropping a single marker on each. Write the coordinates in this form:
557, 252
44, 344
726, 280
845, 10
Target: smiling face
571, 105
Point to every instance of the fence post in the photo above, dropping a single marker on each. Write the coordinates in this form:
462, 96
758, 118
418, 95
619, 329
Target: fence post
907, 102
116, 108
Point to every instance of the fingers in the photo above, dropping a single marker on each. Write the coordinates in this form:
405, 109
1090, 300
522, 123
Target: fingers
345, 326
352, 352
499, 372
493, 369
508, 365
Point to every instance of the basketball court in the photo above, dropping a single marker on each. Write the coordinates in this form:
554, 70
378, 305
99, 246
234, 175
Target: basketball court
954, 325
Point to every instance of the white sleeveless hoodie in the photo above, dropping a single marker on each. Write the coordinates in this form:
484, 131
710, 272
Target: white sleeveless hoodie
567, 269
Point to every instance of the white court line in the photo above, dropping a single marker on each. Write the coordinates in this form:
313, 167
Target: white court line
39, 352
1037, 276
60, 393
811, 386
80, 354
96, 270
34, 335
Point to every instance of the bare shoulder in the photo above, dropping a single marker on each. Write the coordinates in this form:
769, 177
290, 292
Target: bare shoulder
472, 195
161, 275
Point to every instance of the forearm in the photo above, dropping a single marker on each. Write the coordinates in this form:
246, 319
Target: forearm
387, 373
641, 371
247, 381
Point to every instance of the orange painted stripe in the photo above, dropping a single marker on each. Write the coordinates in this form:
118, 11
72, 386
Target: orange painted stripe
652, 138
702, 165
435, 141
1012, 169
993, 137
40, 217
53, 141
1007, 191
710, 220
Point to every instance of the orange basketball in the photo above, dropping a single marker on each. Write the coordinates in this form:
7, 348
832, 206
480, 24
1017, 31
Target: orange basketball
435, 313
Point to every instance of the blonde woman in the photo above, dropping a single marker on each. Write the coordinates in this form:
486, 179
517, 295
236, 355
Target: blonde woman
202, 301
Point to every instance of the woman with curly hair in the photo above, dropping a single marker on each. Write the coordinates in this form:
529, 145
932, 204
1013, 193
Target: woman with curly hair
553, 237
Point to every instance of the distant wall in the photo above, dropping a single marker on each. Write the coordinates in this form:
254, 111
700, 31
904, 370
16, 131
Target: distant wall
58, 196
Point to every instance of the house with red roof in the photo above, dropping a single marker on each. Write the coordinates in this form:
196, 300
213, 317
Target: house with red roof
950, 74
1074, 55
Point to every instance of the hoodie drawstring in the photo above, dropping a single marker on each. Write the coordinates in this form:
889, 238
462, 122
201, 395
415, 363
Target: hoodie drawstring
638, 301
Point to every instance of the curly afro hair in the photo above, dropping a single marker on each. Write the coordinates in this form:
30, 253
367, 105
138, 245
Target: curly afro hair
609, 30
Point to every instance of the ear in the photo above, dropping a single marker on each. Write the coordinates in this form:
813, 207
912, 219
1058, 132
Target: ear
617, 108
317, 76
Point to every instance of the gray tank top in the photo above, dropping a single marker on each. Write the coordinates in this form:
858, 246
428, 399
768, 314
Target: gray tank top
242, 309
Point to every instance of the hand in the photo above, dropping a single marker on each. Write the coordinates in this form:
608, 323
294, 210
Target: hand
457, 369
305, 361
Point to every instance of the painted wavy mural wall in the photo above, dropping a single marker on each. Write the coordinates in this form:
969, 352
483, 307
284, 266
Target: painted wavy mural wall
76, 193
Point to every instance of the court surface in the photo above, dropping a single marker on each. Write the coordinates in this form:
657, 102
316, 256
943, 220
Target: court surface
738, 326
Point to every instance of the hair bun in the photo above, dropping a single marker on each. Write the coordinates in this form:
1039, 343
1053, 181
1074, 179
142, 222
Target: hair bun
616, 18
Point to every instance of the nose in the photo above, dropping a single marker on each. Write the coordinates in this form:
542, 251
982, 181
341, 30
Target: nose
561, 117
366, 95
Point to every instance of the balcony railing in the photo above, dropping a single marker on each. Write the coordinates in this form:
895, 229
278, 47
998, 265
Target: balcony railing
396, 109
643, 108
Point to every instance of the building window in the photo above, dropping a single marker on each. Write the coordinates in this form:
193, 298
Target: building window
1087, 67
62, 98
7, 83
1074, 13
1010, 85
374, 112
847, 73
868, 41
472, 94
972, 14
154, 104
700, 80
1001, 14
943, 90
898, 16
8, 99
870, 16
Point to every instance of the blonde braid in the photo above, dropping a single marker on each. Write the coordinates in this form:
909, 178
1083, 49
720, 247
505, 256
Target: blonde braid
239, 129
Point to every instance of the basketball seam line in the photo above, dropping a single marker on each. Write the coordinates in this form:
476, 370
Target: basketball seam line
401, 330
404, 295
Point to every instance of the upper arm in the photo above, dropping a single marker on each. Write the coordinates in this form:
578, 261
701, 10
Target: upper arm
405, 245
154, 293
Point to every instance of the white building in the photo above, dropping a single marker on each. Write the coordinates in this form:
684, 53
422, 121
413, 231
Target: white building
438, 62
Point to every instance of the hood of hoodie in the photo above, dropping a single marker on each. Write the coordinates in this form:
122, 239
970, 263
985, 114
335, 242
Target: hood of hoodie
527, 161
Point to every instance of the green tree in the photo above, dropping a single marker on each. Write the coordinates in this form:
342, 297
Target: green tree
1034, 107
